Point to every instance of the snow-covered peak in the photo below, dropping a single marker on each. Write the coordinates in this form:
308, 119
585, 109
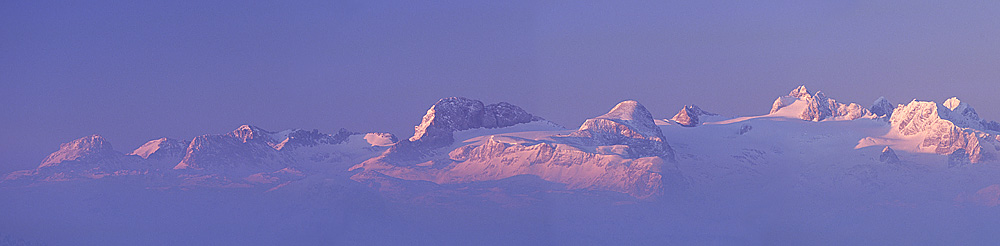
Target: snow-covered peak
630, 124
631, 114
230, 152
918, 115
92, 142
945, 131
961, 113
690, 115
816, 107
161, 147
953, 103
249, 133
915, 117
882, 107
628, 110
800, 91
93, 147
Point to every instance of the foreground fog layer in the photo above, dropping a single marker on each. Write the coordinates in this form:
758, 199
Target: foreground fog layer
812, 171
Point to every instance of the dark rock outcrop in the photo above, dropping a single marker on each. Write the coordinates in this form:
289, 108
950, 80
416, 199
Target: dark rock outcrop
882, 107
690, 116
302, 138
458, 113
888, 156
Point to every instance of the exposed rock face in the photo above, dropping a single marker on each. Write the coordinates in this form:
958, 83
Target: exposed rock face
916, 117
504, 114
958, 158
819, 107
89, 153
744, 129
690, 116
448, 115
937, 123
90, 157
800, 91
458, 113
302, 138
628, 124
92, 149
248, 133
964, 116
163, 148
851, 111
882, 107
888, 156
163, 153
640, 177
635, 157
621, 151
248, 148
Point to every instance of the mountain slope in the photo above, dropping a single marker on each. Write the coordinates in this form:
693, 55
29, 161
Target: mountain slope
621, 151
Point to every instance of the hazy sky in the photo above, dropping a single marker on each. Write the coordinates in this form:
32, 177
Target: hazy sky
138, 70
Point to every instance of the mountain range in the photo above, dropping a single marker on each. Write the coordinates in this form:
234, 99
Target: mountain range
813, 170
460, 140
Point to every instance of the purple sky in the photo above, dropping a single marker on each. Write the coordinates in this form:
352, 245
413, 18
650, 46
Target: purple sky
138, 70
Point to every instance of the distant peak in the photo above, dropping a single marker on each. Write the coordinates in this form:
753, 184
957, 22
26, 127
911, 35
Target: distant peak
799, 92
246, 127
250, 132
689, 115
694, 109
92, 146
817, 107
952, 103
881, 100
882, 107
89, 142
629, 110
453, 100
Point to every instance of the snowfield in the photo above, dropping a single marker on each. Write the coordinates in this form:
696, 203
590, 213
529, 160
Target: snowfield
812, 171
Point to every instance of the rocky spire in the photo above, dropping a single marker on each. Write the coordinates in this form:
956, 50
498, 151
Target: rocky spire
888, 156
800, 91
